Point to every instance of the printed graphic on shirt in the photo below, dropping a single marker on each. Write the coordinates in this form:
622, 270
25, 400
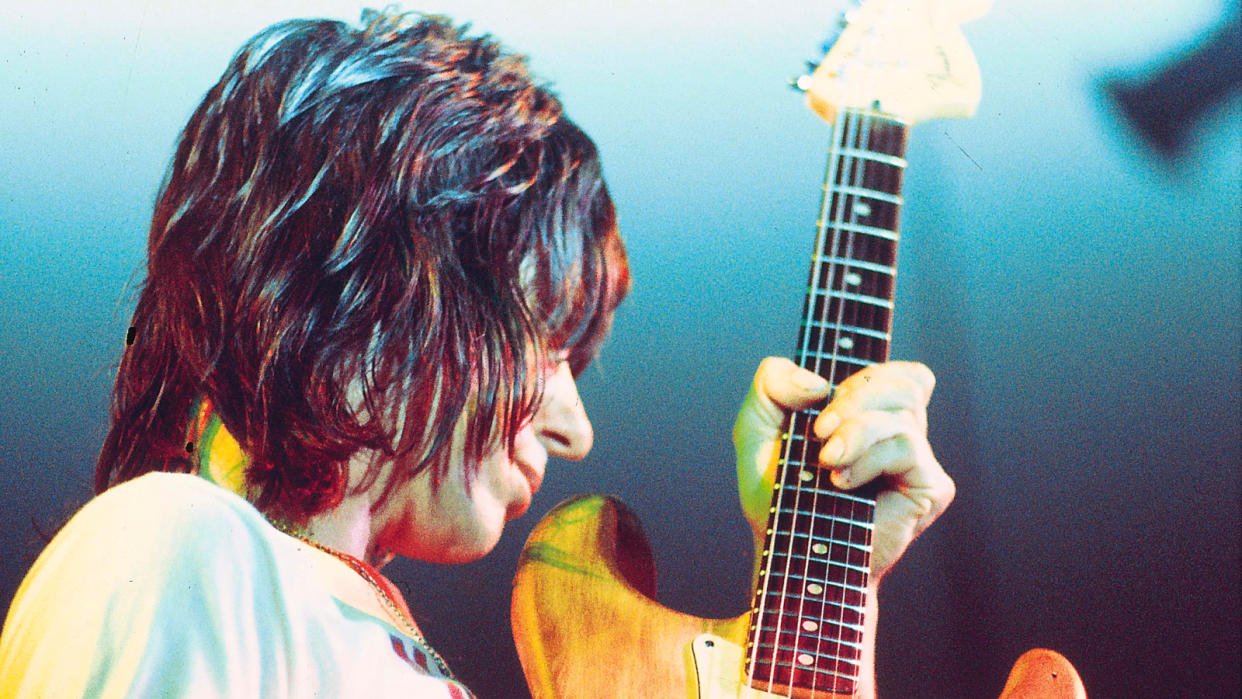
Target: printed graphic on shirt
418, 658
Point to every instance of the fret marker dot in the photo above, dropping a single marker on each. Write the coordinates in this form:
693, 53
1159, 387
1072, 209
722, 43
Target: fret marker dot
846, 343
809, 626
853, 279
805, 659
806, 476
814, 588
862, 208
821, 549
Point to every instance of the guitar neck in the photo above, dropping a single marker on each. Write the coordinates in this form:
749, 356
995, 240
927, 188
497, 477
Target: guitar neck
808, 613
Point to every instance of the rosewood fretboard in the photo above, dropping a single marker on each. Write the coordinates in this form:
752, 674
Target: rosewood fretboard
807, 622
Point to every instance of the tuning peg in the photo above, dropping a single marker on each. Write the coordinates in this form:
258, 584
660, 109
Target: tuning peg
845, 19
802, 83
812, 66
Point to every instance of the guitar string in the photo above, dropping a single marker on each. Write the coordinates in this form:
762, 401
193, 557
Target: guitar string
761, 611
833, 278
888, 138
892, 143
841, 172
858, 181
836, 280
814, 363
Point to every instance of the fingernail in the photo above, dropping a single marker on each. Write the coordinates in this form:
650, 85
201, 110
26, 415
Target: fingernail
841, 478
809, 380
826, 423
833, 450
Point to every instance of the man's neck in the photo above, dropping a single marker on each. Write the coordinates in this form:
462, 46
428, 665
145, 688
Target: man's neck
349, 528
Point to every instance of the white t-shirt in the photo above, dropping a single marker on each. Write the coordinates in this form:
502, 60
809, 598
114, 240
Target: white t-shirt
171, 586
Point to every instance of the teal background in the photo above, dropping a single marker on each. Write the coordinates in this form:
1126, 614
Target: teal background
1077, 296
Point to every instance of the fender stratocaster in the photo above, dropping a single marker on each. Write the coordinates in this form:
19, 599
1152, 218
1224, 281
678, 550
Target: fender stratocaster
584, 617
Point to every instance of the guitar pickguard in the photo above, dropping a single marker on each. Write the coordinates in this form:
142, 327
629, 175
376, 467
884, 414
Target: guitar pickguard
719, 673
718, 669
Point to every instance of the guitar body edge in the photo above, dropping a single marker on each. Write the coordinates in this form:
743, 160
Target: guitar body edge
1043, 674
584, 620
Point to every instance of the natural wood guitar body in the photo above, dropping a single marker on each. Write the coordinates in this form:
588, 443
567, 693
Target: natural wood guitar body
583, 616
586, 624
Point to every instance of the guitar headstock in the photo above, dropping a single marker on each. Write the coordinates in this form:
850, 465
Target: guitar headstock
906, 59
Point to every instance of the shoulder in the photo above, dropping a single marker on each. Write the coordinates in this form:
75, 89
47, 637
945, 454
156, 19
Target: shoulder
176, 498
139, 539
154, 529
144, 577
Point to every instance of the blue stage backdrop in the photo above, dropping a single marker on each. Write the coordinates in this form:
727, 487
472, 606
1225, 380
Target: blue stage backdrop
1076, 293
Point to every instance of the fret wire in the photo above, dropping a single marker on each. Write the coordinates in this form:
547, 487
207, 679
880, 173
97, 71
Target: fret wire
837, 542
842, 358
829, 562
850, 674
877, 334
817, 515
864, 527
873, 345
794, 649
763, 631
849, 570
842, 589
810, 638
851, 262
811, 413
895, 161
857, 609
837, 677
833, 355
876, 231
848, 296
819, 671
873, 250
844, 329
868, 193
841, 495
857, 631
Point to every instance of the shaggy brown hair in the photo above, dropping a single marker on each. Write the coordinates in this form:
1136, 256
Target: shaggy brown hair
394, 213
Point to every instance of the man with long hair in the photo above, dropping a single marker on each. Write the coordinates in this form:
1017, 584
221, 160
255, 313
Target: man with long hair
379, 259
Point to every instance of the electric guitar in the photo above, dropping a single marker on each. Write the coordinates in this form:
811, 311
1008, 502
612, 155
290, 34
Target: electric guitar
584, 617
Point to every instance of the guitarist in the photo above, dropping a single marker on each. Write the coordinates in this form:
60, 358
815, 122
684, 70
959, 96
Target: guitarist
379, 259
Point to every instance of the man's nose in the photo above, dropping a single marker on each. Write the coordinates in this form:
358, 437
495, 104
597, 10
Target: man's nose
561, 424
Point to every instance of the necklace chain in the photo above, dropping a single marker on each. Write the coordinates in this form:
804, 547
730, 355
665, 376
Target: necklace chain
202, 417
381, 594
